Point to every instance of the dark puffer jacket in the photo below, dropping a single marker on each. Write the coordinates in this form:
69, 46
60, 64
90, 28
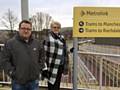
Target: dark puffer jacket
23, 61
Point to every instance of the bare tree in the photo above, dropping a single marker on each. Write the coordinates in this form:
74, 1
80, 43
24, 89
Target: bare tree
9, 20
41, 21
48, 19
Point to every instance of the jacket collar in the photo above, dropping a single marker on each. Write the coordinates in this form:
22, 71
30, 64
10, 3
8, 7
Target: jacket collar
22, 39
57, 36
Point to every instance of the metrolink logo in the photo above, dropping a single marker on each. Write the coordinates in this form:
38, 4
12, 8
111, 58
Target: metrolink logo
93, 13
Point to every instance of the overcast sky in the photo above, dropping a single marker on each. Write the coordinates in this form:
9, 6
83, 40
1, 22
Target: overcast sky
60, 10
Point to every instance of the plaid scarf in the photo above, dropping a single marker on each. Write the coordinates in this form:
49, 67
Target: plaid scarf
54, 46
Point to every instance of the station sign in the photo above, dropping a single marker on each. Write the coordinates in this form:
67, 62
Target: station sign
96, 22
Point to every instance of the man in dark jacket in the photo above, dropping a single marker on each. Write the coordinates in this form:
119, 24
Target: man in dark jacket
23, 58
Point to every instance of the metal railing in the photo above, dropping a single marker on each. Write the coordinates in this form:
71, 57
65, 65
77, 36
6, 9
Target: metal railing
98, 69
103, 62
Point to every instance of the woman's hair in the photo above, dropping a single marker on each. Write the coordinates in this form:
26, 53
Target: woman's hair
55, 23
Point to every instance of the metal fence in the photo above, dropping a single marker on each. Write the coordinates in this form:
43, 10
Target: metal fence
98, 68
103, 61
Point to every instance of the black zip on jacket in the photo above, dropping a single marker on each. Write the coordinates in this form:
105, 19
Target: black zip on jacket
21, 60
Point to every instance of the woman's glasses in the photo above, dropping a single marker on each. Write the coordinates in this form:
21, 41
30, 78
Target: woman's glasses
56, 27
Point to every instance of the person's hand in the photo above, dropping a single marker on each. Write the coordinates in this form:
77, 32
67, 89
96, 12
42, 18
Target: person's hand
45, 74
71, 49
11, 74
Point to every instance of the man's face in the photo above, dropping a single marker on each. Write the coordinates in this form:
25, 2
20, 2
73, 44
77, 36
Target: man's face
55, 28
25, 30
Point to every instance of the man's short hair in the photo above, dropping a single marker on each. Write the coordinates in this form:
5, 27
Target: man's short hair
25, 21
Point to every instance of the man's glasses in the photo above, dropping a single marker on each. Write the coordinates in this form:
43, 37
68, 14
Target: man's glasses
23, 28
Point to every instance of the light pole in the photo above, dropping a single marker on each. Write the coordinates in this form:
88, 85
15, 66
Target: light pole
24, 10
